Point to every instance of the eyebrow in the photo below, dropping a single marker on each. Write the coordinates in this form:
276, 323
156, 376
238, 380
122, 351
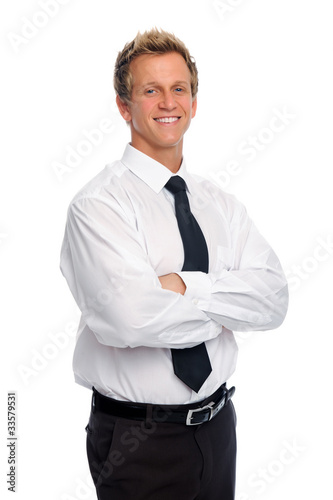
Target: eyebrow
177, 82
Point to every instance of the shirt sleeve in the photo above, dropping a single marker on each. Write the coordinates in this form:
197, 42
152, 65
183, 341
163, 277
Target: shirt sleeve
250, 294
116, 288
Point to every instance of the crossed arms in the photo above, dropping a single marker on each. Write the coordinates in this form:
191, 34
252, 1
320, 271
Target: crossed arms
125, 303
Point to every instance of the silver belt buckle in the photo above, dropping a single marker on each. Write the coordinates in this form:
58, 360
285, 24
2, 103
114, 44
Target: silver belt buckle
190, 414
210, 406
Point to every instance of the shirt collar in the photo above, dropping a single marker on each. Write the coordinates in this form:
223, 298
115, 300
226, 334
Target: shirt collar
150, 171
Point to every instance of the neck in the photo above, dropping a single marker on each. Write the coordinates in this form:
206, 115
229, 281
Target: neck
170, 157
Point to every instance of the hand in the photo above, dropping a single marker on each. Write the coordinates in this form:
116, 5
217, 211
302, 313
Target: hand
173, 282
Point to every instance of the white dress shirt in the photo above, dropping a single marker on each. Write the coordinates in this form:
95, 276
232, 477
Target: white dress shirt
121, 235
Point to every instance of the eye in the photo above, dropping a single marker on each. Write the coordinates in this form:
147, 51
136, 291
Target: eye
150, 91
178, 89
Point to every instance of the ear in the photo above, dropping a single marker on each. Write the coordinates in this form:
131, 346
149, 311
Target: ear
194, 107
124, 109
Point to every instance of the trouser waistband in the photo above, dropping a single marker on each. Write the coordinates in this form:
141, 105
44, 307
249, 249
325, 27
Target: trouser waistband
188, 414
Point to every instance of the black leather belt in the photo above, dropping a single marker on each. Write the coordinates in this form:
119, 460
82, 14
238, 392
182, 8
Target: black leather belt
189, 414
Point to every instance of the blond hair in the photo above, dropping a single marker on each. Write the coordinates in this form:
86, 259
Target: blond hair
150, 42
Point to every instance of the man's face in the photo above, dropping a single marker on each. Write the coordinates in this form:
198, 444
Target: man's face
161, 108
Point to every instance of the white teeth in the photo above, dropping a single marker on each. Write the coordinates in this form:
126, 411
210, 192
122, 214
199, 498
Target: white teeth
166, 120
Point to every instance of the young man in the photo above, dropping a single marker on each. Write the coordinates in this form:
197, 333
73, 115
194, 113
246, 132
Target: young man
163, 265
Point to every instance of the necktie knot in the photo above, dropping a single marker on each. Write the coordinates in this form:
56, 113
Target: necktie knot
175, 184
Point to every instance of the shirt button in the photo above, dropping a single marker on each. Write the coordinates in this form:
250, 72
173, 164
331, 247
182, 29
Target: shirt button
195, 302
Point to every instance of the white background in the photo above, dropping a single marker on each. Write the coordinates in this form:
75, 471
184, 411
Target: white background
254, 57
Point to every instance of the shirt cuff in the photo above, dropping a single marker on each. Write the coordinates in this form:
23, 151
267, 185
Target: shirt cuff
198, 287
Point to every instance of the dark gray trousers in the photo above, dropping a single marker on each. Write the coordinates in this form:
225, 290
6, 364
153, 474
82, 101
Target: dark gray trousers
139, 460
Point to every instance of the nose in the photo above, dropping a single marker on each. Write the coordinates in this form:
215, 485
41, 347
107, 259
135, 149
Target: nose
168, 101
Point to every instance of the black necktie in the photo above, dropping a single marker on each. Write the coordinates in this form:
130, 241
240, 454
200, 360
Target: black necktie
192, 364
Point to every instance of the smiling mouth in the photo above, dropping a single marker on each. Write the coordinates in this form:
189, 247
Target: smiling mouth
170, 119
